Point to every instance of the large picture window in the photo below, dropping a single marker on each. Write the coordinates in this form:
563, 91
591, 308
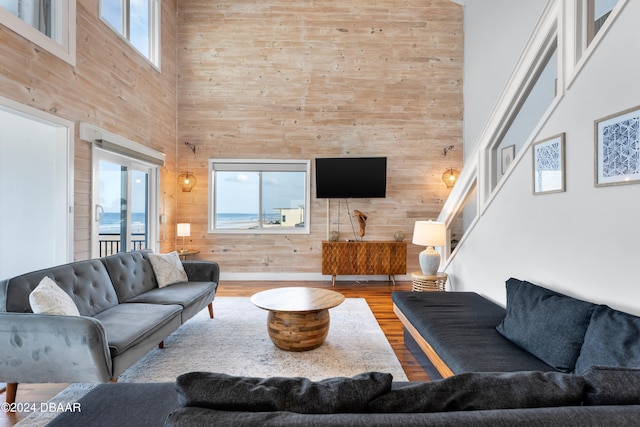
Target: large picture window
259, 196
136, 21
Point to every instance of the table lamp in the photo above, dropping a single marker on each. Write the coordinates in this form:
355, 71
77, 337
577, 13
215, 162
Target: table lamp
429, 234
184, 230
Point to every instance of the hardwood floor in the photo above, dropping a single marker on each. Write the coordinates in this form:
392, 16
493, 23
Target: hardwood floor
377, 294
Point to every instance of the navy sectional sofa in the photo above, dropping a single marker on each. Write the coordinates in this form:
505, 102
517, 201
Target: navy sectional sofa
539, 330
539, 362
602, 396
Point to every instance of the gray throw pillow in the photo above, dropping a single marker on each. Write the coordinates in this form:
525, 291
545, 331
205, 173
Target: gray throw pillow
549, 325
486, 390
232, 393
612, 339
612, 386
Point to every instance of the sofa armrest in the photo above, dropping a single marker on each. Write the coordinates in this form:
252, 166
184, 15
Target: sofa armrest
202, 271
3, 295
38, 348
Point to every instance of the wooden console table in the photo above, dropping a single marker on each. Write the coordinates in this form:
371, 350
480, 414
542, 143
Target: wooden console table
364, 258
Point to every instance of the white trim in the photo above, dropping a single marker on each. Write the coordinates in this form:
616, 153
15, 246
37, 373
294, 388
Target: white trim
66, 131
63, 45
535, 51
576, 35
115, 142
458, 194
466, 182
479, 165
155, 33
306, 277
155, 25
228, 164
133, 164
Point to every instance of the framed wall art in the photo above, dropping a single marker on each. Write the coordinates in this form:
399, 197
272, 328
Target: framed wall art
617, 148
549, 165
507, 156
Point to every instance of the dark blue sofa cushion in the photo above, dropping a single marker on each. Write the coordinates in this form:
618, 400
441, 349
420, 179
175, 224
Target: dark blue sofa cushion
482, 391
612, 386
461, 328
301, 395
549, 325
612, 339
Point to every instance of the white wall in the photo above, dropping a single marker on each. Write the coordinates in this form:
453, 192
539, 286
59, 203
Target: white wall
495, 32
583, 242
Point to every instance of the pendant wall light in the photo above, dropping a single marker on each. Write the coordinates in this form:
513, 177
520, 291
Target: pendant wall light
187, 180
450, 176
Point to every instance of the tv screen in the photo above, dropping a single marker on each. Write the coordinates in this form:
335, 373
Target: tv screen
351, 177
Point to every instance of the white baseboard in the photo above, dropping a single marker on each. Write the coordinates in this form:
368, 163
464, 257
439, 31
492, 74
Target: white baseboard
306, 277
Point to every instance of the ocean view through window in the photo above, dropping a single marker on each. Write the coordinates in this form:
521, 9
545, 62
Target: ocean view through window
109, 232
251, 196
125, 199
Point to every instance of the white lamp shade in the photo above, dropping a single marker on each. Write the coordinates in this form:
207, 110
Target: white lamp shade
184, 229
429, 233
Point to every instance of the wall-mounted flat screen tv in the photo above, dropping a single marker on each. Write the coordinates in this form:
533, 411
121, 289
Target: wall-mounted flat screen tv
351, 177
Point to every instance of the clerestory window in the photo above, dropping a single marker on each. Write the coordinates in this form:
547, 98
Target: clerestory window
138, 22
597, 14
50, 24
532, 104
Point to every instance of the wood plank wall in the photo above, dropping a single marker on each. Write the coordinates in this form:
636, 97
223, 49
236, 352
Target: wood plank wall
272, 79
326, 78
112, 87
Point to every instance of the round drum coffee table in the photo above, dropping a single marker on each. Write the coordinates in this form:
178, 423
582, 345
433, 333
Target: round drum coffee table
298, 317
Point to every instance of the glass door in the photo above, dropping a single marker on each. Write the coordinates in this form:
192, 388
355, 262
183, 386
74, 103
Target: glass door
124, 204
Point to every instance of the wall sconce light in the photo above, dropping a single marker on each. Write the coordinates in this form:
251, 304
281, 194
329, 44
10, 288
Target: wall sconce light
450, 176
187, 180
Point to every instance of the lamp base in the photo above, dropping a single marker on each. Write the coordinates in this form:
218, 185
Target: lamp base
429, 261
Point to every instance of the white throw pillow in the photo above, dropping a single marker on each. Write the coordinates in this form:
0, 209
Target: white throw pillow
168, 268
49, 298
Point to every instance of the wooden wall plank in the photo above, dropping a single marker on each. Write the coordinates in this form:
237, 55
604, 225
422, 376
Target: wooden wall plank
111, 86
282, 79
271, 79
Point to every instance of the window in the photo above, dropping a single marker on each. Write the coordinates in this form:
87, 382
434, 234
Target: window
259, 196
48, 23
138, 22
125, 193
598, 12
463, 219
125, 208
591, 20
535, 99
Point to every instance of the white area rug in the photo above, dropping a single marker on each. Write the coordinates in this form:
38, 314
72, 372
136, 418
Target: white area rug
236, 342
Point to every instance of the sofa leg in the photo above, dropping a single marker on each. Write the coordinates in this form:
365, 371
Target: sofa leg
210, 310
161, 345
12, 390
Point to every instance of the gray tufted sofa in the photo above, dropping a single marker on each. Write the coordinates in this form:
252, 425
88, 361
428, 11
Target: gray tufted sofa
123, 315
